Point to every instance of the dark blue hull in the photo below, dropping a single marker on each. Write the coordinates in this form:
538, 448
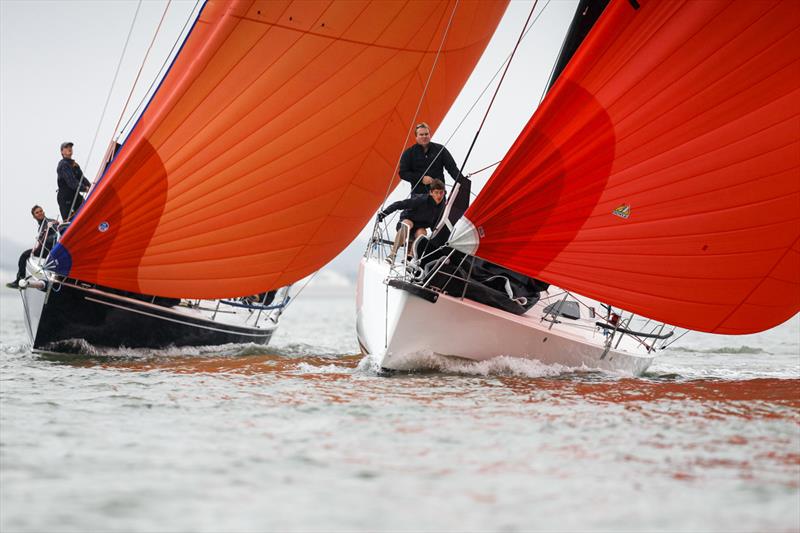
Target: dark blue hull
103, 319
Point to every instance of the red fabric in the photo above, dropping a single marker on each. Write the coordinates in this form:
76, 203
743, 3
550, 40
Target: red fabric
272, 140
688, 113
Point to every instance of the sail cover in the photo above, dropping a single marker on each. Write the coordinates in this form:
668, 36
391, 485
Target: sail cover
270, 142
662, 172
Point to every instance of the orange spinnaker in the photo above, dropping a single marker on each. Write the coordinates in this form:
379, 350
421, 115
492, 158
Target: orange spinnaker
271, 141
662, 172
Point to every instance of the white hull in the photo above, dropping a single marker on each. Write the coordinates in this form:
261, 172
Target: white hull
402, 331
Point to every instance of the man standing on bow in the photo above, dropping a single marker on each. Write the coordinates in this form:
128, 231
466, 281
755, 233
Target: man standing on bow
425, 161
71, 183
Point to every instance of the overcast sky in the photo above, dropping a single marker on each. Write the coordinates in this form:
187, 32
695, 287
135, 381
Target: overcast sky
58, 59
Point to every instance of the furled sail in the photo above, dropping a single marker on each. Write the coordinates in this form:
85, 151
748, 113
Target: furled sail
662, 172
270, 142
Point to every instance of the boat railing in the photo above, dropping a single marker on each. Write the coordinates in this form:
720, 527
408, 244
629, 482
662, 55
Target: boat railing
377, 248
51, 231
613, 325
257, 306
273, 310
640, 334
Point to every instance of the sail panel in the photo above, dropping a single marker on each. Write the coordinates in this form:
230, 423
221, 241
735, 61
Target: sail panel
270, 142
661, 174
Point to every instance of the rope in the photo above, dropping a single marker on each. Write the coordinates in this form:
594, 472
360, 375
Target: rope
487, 167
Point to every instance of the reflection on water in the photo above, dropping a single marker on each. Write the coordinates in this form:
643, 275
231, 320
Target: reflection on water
305, 435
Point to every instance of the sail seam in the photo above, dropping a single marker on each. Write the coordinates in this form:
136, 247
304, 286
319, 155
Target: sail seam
355, 41
758, 285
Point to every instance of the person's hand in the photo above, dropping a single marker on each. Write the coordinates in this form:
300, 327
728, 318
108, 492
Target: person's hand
381, 216
427, 180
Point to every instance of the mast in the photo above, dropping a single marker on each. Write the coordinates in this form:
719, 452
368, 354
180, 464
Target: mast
586, 15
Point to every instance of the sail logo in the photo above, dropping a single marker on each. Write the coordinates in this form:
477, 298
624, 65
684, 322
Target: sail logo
103, 227
623, 211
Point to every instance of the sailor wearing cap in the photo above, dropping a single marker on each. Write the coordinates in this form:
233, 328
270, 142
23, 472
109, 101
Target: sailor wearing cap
70, 183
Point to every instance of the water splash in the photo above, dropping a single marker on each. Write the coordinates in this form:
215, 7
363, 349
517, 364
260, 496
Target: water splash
307, 368
501, 365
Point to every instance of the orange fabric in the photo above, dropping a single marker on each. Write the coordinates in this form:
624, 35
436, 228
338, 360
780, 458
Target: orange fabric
271, 141
684, 116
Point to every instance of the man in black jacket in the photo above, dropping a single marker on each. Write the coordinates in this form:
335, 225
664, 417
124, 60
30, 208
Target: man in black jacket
425, 161
70, 181
44, 242
421, 211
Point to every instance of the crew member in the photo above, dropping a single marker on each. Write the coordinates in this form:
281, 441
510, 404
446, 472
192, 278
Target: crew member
420, 212
71, 182
426, 161
44, 242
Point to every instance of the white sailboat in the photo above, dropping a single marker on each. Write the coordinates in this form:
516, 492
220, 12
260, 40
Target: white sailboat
658, 183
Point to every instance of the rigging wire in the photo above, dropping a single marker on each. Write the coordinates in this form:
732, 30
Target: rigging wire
105, 108
421, 99
416, 112
673, 341
294, 297
497, 89
111, 88
179, 39
527, 28
141, 67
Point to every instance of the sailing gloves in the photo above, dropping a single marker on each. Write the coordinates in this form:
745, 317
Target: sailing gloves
381, 216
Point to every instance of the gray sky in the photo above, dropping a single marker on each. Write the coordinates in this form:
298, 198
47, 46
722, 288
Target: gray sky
57, 62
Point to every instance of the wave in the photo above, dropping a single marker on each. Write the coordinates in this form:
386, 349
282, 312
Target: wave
307, 368
501, 365
733, 350
82, 348
15, 349
79, 348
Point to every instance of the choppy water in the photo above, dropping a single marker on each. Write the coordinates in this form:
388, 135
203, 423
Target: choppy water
304, 435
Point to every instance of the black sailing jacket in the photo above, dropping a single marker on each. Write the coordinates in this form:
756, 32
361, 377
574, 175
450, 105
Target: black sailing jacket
415, 161
70, 176
421, 209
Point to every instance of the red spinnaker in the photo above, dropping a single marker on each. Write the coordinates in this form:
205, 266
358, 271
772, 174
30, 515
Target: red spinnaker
662, 172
